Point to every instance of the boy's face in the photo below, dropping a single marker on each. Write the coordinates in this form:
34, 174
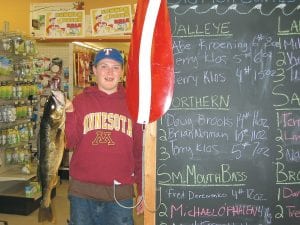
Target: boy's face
108, 73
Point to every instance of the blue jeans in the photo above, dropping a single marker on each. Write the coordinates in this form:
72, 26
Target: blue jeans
93, 212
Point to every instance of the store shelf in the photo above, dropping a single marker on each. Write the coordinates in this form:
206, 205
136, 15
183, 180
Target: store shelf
15, 189
13, 199
21, 205
15, 174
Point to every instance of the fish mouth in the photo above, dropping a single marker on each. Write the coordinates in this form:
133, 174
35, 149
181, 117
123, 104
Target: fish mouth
58, 97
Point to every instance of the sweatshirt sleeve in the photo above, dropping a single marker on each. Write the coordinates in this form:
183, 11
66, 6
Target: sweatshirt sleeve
138, 156
73, 130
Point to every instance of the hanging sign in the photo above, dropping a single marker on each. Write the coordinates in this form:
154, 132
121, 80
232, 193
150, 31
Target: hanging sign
65, 24
38, 13
111, 20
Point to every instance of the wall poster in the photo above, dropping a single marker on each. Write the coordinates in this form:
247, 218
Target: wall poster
38, 13
82, 67
111, 20
60, 24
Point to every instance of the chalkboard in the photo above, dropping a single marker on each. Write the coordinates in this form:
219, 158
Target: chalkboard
228, 149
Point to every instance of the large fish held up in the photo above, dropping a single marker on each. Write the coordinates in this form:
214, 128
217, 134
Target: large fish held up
51, 148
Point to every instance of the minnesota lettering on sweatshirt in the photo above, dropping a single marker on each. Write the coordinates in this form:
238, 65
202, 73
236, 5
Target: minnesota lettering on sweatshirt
107, 121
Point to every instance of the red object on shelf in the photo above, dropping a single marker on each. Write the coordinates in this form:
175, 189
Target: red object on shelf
150, 72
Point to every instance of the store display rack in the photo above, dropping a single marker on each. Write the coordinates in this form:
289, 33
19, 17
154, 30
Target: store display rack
18, 122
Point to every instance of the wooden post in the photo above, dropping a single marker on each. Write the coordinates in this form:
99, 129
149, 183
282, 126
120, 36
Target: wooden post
150, 174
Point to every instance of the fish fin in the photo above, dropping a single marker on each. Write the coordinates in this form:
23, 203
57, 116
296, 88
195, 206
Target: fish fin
46, 214
55, 180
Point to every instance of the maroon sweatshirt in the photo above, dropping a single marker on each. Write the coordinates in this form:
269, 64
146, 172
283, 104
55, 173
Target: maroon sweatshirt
107, 143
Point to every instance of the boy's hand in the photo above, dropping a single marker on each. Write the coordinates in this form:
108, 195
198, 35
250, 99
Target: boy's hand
69, 106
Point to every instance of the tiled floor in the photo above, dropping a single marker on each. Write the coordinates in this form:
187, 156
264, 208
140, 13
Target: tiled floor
61, 207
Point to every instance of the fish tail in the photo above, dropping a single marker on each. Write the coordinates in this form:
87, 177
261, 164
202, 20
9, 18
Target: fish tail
46, 214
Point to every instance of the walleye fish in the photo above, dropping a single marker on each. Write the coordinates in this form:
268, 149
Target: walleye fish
51, 149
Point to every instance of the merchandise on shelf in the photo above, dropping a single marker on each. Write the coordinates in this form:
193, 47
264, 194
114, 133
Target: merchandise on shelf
18, 99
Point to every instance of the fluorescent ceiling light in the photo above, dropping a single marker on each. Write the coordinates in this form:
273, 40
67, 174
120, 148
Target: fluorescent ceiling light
85, 45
